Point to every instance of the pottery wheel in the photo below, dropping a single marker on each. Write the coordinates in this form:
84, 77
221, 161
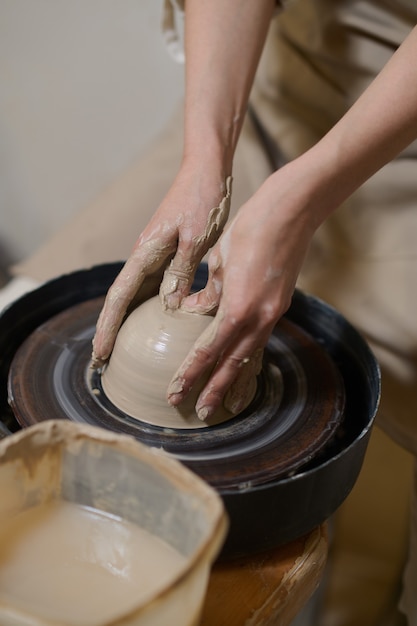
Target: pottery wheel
297, 408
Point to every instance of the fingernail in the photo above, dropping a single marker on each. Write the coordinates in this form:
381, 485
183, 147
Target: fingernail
176, 386
175, 399
239, 397
203, 413
233, 405
96, 362
175, 393
169, 283
170, 302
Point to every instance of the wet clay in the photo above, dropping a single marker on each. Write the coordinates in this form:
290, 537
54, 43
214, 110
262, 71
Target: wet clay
216, 221
150, 346
79, 566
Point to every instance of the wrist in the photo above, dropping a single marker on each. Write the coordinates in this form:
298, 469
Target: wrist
318, 183
210, 161
211, 148
206, 180
297, 195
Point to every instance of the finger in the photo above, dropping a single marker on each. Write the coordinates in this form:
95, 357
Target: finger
233, 382
212, 342
216, 221
207, 300
232, 352
243, 388
224, 347
179, 276
177, 281
147, 258
204, 302
201, 358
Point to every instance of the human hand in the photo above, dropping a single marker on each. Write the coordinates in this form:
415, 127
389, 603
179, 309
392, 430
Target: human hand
252, 275
187, 223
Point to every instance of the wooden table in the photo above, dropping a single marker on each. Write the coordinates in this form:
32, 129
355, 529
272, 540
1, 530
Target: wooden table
268, 589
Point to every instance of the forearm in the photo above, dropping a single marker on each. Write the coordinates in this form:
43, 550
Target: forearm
223, 43
381, 124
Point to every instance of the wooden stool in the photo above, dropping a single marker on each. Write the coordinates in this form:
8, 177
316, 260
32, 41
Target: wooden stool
268, 589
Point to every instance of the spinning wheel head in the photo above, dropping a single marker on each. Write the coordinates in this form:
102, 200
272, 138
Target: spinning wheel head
296, 409
282, 466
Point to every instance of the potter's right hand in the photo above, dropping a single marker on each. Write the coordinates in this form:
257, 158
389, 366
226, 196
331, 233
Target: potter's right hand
187, 223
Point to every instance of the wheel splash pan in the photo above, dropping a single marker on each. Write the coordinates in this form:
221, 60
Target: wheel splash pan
265, 515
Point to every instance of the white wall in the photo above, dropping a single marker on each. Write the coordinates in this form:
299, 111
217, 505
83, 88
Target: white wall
84, 86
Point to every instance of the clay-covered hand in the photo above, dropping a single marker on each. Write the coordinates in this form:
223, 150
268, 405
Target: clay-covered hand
187, 223
254, 267
252, 274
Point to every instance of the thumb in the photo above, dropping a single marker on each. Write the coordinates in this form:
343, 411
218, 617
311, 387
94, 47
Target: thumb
179, 275
204, 301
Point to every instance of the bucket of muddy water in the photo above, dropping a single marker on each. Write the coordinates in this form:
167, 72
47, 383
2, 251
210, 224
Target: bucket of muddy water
97, 529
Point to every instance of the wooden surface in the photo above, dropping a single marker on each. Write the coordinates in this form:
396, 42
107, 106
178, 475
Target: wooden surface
269, 589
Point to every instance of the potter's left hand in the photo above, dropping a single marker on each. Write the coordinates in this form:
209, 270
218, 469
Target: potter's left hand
252, 274
170, 248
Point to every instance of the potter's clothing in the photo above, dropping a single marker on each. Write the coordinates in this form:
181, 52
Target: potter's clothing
320, 55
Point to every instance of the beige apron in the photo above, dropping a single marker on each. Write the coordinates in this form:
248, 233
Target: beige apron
319, 57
